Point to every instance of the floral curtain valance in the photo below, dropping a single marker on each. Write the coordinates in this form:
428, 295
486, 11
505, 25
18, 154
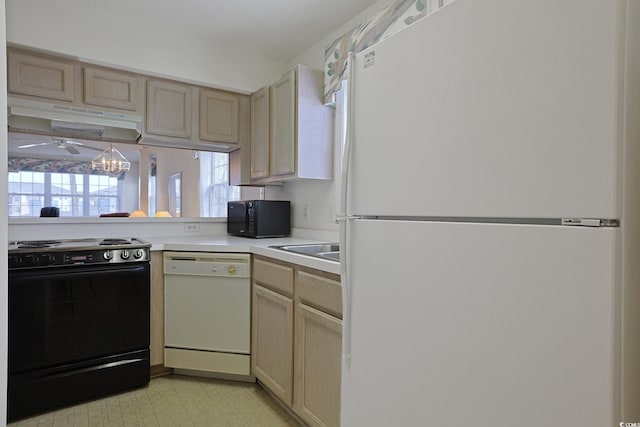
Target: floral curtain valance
60, 166
398, 15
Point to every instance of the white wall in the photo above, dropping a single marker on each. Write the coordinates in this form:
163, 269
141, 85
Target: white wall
145, 228
130, 188
169, 162
92, 34
320, 198
3, 220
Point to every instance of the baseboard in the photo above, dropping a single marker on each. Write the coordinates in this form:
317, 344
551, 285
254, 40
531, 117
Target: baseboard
159, 371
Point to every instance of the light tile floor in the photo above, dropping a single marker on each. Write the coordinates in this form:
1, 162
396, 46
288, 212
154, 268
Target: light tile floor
174, 400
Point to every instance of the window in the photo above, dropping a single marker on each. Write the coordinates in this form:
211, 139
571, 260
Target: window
215, 191
74, 194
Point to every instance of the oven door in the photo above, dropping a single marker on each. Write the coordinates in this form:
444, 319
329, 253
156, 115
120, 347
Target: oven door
61, 315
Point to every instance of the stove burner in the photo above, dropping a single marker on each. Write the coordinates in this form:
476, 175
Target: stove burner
37, 244
115, 242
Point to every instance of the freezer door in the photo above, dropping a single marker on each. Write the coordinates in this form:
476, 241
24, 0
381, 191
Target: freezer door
480, 324
497, 108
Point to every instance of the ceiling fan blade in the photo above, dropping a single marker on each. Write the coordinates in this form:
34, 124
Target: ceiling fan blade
72, 142
34, 145
72, 149
92, 148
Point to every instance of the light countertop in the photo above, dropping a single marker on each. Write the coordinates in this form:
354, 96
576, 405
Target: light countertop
226, 243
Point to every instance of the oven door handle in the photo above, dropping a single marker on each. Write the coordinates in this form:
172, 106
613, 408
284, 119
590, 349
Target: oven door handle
78, 270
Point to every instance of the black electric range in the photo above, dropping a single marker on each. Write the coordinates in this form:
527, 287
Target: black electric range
78, 321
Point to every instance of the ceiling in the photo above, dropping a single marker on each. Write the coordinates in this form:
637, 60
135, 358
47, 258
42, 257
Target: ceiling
276, 29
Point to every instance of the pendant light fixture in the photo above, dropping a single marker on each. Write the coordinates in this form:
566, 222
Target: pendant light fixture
110, 160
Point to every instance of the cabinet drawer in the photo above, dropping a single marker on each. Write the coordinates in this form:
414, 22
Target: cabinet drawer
320, 292
274, 276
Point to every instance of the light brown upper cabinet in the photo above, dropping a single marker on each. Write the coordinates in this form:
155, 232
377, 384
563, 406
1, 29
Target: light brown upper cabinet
176, 114
113, 89
41, 76
283, 125
299, 129
218, 116
169, 107
188, 116
260, 134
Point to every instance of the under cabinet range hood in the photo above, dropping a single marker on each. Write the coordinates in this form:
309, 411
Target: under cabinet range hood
72, 122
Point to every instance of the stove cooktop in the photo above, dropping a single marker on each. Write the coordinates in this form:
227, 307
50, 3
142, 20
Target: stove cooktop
71, 252
76, 244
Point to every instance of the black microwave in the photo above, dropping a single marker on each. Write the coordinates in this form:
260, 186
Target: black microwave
259, 218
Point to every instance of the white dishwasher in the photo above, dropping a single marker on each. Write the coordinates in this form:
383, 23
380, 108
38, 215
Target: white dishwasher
207, 312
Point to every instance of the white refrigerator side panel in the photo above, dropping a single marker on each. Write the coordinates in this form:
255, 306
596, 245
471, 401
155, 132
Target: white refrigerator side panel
495, 108
480, 324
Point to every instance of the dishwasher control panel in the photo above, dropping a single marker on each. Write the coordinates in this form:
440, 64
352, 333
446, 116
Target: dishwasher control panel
207, 264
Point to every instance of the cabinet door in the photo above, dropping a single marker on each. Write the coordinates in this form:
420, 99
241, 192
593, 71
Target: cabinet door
218, 116
317, 366
260, 134
157, 309
39, 76
272, 342
112, 89
283, 141
169, 109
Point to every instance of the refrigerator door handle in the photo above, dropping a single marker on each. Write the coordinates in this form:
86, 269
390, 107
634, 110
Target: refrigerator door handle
346, 151
343, 219
346, 294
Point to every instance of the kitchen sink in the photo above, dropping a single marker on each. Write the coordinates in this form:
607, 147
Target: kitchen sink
329, 251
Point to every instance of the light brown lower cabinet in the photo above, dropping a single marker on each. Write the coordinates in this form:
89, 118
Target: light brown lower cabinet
318, 347
272, 337
297, 338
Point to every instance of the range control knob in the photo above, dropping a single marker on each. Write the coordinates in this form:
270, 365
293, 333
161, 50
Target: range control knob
124, 254
138, 253
107, 255
46, 259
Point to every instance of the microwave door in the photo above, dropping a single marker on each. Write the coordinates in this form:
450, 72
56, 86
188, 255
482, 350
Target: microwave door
237, 218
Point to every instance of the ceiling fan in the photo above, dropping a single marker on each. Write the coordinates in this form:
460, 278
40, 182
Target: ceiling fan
62, 143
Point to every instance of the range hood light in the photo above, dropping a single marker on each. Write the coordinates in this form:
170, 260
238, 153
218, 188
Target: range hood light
85, 129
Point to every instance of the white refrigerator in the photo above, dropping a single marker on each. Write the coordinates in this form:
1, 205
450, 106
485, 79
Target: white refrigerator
491, 190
